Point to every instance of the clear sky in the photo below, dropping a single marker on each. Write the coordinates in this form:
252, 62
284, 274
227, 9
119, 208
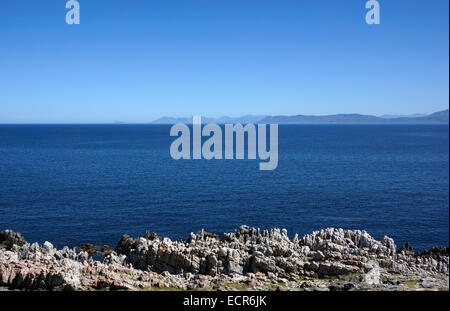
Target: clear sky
137, 60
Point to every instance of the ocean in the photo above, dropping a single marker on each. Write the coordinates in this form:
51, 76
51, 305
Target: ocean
74, 184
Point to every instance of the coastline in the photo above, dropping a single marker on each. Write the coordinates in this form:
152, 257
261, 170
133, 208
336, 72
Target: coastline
246, 259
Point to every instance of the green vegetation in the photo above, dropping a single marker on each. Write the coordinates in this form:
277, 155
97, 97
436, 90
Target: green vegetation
236, 286
412, 283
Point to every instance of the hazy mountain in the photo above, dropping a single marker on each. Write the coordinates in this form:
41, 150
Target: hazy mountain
337, 118
440, 114
393, 116
243, 119
170, 120
221, 120
437, 117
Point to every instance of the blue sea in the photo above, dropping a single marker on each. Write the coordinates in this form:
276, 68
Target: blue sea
73, 184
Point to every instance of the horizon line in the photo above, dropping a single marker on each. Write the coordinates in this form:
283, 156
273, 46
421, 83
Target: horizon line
118, 122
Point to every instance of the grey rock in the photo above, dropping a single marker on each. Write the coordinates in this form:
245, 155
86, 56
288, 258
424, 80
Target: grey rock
9, 238
248, 255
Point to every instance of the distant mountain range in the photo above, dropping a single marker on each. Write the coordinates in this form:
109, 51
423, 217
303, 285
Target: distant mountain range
221, 120
437, 117
441, 117
393, 116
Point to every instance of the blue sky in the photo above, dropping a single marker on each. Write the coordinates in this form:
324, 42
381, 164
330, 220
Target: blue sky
137, 60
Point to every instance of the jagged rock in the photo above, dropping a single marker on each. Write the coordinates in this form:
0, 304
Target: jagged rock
88, 248
125, 245
48, 248
373, 277
9, 238
113, 258
389, 244
349, 241
406, 249
248, 256
436, 252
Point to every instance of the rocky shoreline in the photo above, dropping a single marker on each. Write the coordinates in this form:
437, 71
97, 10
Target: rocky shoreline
246, 259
